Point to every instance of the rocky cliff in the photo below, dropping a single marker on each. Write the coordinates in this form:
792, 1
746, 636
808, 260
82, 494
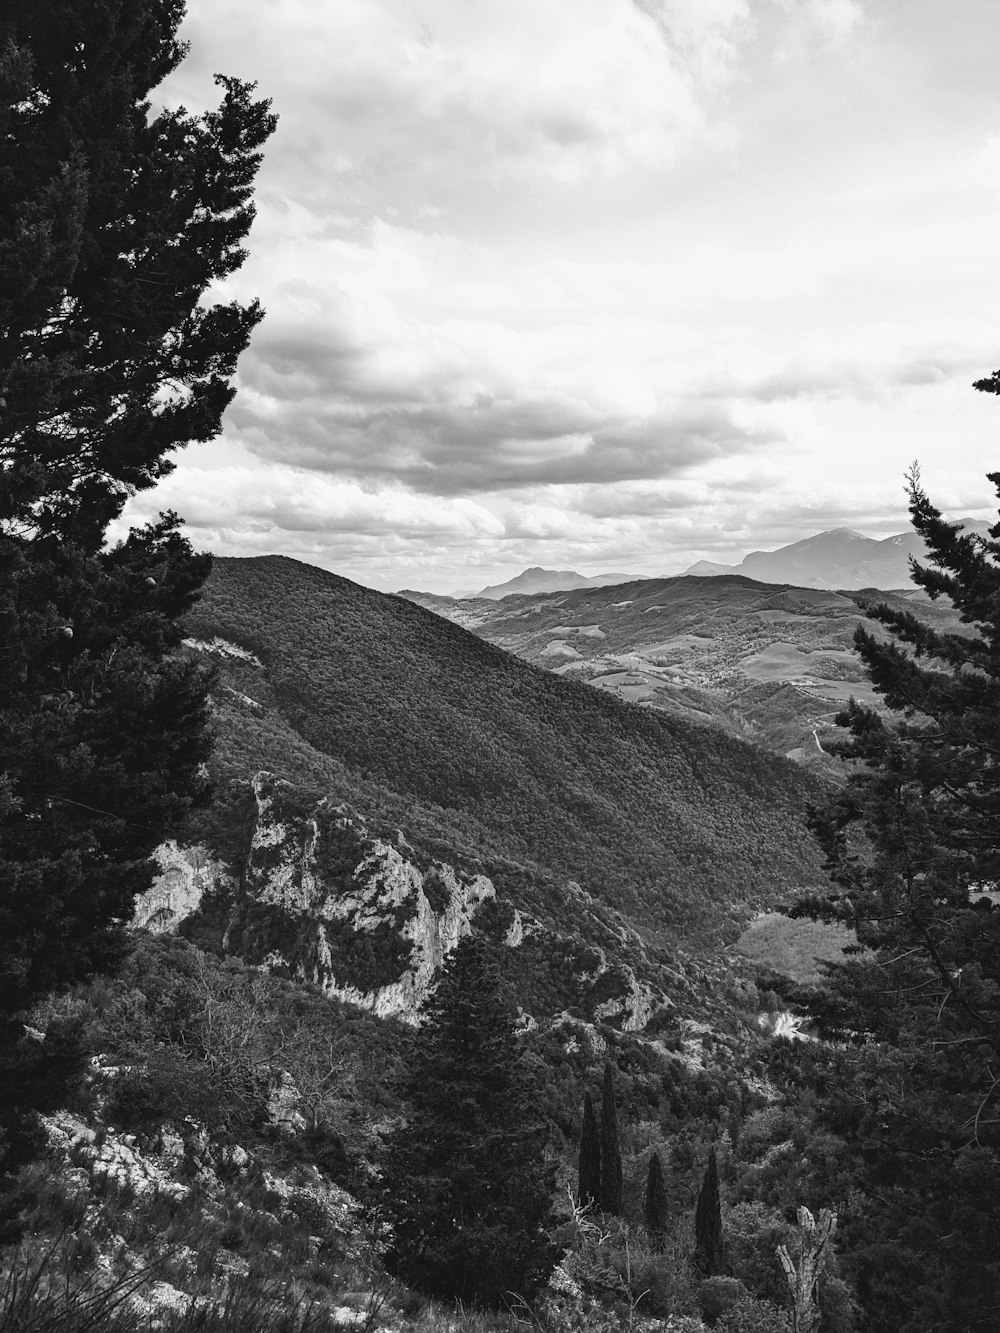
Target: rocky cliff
186, 874
354, 914
370, 919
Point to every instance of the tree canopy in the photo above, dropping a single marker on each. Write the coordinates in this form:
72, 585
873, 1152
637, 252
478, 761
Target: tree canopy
913, 847
114, 224
466, 1189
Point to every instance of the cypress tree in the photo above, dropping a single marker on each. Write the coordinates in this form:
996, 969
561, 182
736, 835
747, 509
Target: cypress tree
656, 1198
708, 1222
611, 1155
466, 1189
589, 1190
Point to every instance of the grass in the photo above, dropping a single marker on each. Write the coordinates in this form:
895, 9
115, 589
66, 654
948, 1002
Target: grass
794, 948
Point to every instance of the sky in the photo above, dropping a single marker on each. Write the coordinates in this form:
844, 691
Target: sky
604, 285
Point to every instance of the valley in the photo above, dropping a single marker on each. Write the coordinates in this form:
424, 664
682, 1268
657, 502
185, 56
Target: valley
771, 663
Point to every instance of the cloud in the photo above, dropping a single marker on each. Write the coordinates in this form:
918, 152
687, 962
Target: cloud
378, 96
615, 283
278, 499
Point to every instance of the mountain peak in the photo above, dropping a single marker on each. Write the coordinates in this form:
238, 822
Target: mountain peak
537, 580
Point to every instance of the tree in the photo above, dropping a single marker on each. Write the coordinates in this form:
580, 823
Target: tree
466, 1189
802, 1267
589, 1190
913, 846
113, 225
708, 1256
611, 1153
656, 1198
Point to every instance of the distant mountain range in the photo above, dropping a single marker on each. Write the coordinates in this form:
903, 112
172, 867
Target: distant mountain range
537, 580
837, 558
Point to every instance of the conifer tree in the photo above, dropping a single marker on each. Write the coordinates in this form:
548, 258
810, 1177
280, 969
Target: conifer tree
708, 1256
611, 1154
589, 1189
913, 844
113, 223
656, 1198
466, 1189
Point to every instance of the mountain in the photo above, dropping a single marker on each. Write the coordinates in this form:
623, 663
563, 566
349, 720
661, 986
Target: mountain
537, 780
537, 580
838, 558
770, 663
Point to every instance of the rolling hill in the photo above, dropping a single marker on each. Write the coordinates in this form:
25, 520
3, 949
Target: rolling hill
539, 779
770, 663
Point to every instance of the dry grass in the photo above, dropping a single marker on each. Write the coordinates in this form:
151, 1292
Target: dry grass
794, 948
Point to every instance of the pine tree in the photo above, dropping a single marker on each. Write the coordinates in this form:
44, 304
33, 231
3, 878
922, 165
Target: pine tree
656, 1198
913, 843
113, 223
466, 1190
589, 1191
611, 1155
708, 1255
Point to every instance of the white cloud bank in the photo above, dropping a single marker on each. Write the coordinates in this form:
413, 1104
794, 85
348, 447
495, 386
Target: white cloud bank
609, 283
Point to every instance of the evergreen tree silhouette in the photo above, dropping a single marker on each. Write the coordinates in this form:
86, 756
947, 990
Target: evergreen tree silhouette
708, 1258
656, 1198
589, 1189
114, 223
912, 843
466, 1189
611, 1155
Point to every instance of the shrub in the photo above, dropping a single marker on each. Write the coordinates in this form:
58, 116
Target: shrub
718, 1295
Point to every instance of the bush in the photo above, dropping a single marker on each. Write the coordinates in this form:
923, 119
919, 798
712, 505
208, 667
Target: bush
718, 1295
750, 1315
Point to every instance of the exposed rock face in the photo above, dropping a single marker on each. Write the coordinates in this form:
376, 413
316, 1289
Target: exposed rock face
353, 913
631, 1004
371, 921
186, 875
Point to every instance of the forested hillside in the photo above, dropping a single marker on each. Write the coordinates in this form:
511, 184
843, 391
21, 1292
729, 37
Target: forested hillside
375, 697
771, 663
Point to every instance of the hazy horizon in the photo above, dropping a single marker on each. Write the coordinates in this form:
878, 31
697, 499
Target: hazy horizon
609, 285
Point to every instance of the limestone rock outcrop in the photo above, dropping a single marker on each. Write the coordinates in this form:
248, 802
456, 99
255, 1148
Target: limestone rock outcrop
358, 915
186, 875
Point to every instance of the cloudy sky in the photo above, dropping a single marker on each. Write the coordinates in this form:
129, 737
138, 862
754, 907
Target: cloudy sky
602, 284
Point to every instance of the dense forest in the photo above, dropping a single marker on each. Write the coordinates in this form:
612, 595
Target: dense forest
651, 814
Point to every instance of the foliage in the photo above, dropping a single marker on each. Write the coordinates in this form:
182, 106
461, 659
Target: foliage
113, 223
205, 1038
794, 947
718, 1295
708, 1250
611, 1153
376, 696
589, 1174
656, 1197
911, 844
466, 1190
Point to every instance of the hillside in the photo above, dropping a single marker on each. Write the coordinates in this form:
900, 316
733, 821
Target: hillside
413, 719
770, 663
